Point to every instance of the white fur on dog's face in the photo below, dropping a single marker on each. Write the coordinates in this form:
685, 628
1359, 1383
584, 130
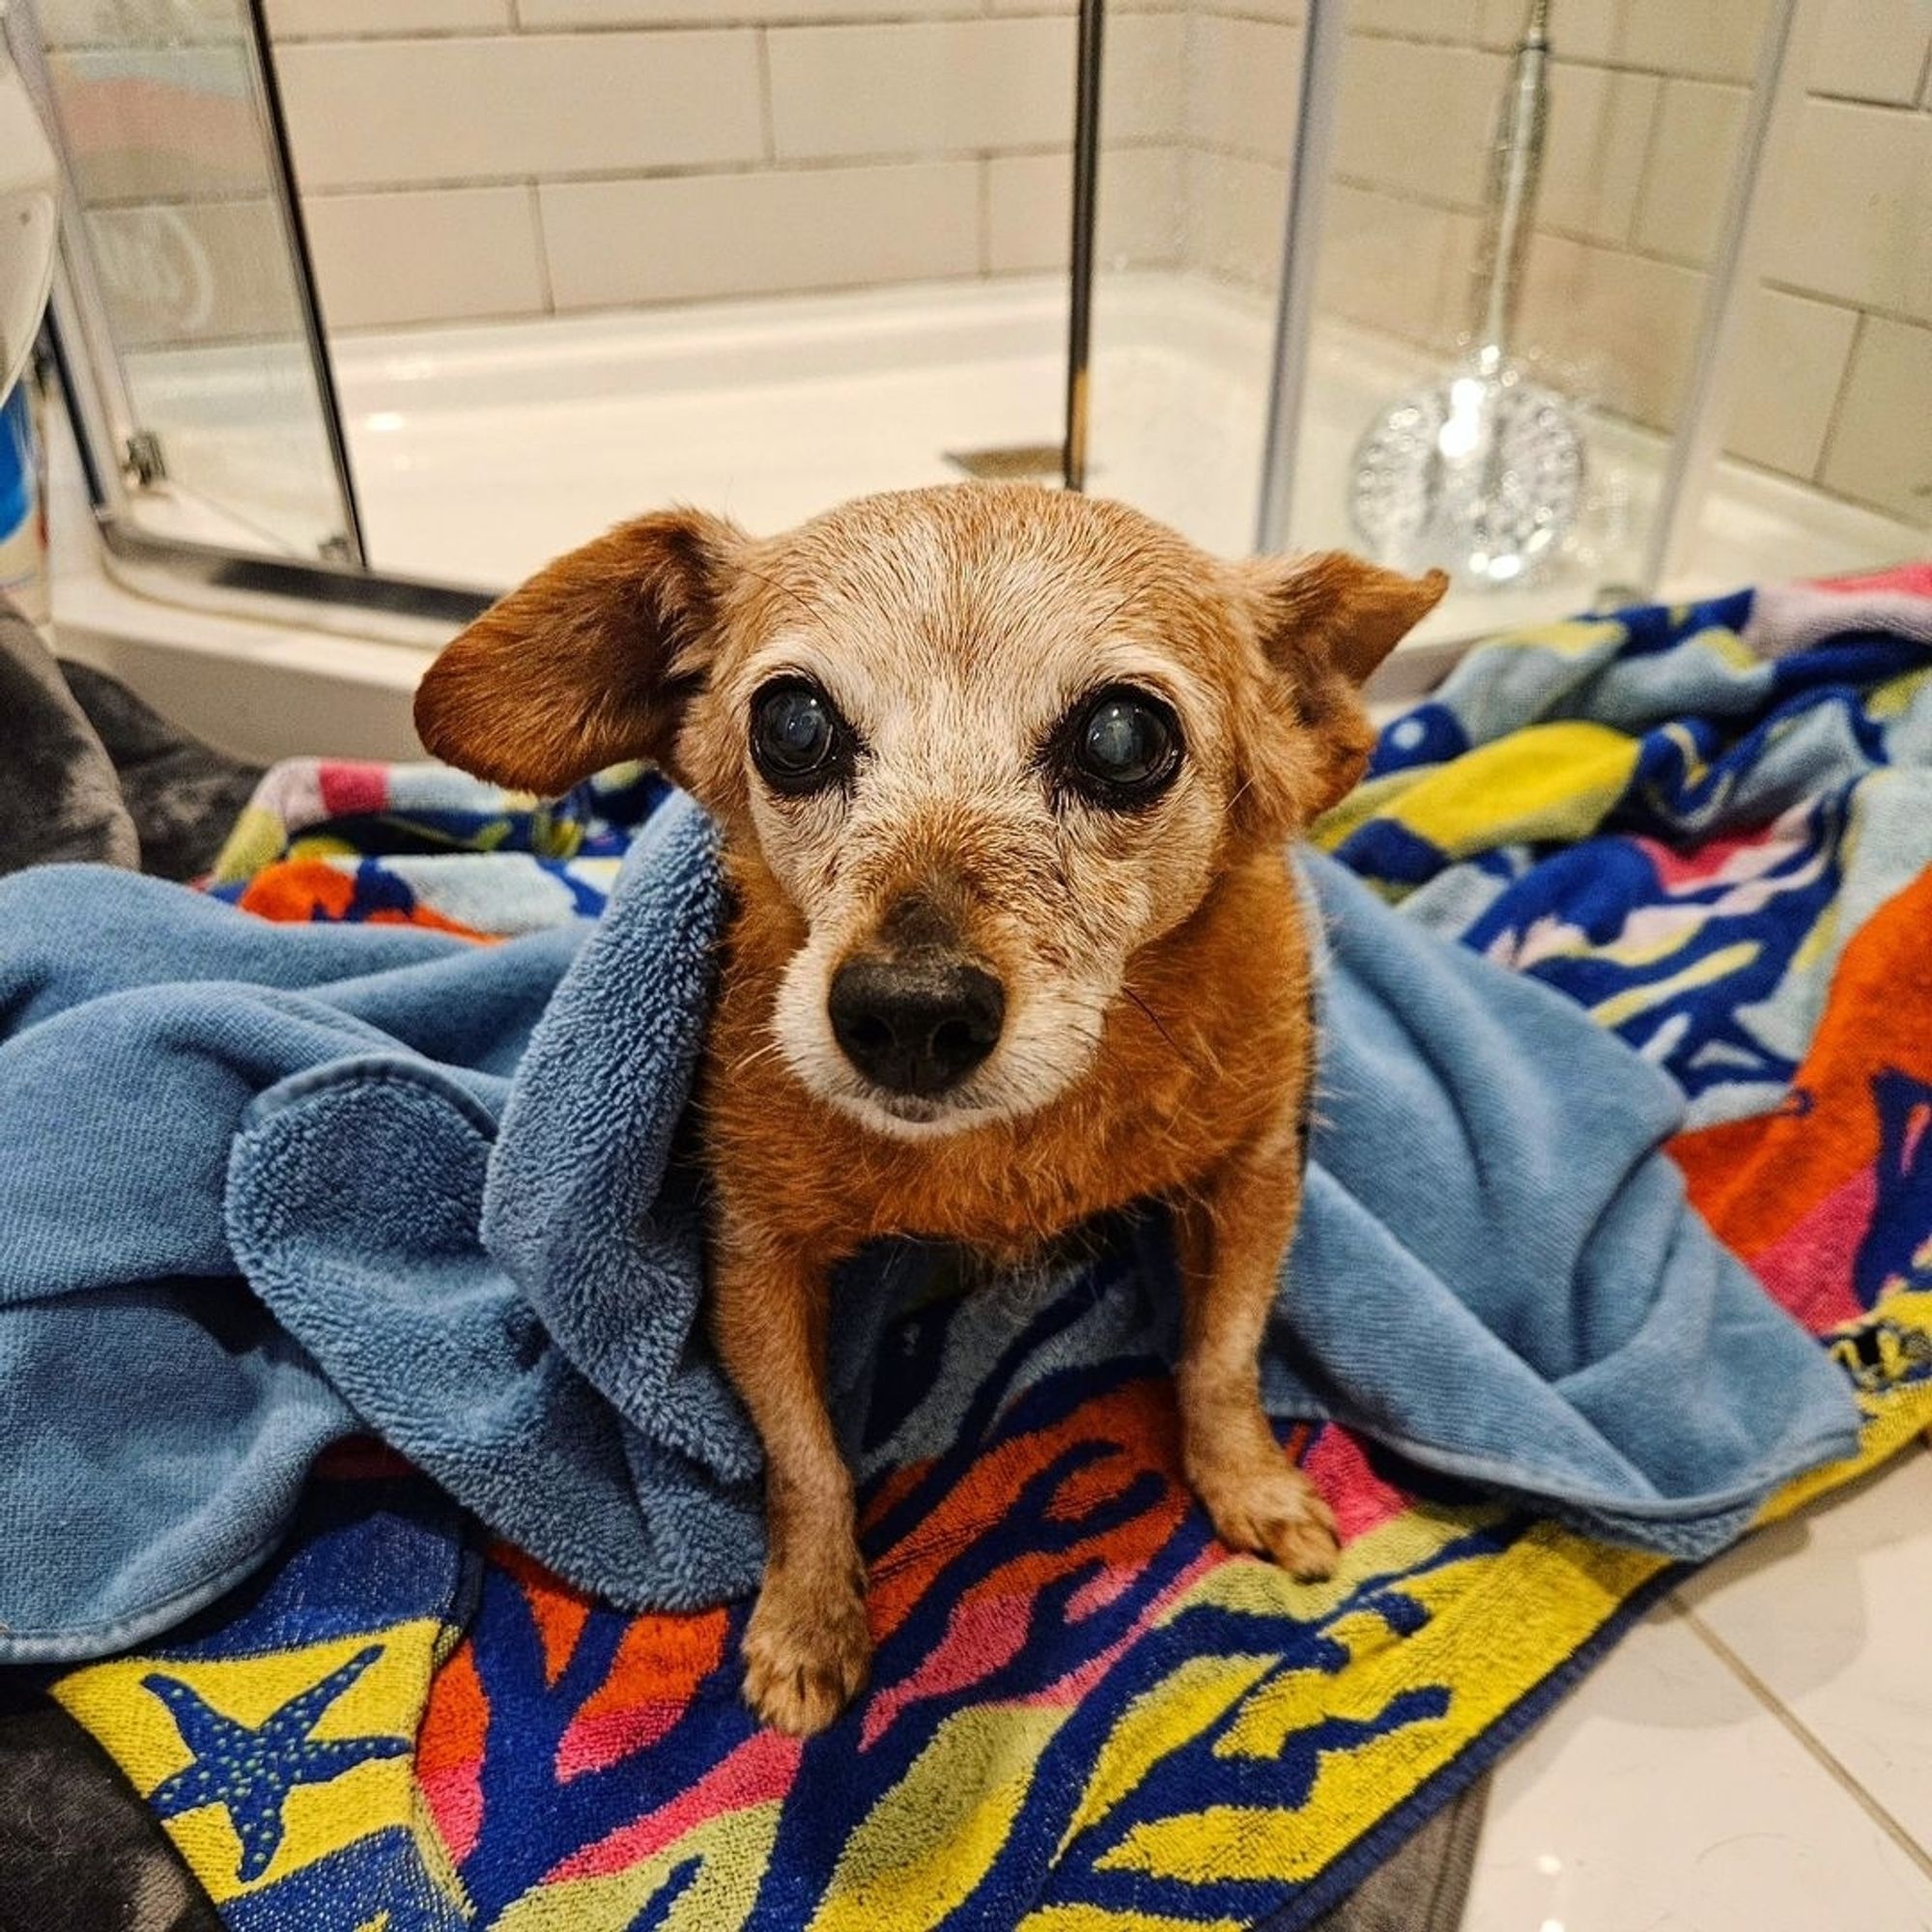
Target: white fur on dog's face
953, 674
1055, 894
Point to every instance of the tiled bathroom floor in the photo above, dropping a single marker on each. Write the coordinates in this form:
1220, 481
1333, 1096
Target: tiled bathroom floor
1756, 1756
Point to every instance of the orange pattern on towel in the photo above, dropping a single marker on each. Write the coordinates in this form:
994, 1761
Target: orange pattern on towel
297, 892
1783, 1189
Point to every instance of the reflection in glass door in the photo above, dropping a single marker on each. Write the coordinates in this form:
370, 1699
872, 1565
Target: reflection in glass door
187, 260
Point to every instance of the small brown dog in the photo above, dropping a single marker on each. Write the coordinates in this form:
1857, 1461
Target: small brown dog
1005, 776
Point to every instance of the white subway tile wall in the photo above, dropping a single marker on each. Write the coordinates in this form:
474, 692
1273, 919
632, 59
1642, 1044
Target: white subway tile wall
1587, 29
320, 19
622, 241
1648, 99
1717, 40
553, 14
442, 254
1030, 211
1877, 446
1414, 117
1874, 53
463, 158
1428, 19
672, 150
1234, 216
1859, 221
1693, 153
1614, 326
1793, 358
1599, 140
914, 88
1241, 83
413, 113
1395, 265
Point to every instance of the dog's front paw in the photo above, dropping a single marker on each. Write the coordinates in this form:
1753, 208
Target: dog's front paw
1273, 1512
807, 1649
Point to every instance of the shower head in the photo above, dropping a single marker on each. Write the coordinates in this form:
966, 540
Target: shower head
1482, 474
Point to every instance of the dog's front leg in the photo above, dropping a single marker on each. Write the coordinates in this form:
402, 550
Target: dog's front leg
806, 1646
1231, 1234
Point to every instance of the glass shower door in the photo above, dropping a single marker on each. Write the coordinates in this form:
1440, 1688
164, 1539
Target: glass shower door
187, 275
1718, 316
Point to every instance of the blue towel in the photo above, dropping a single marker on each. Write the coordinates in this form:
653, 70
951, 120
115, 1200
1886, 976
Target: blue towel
264, 1187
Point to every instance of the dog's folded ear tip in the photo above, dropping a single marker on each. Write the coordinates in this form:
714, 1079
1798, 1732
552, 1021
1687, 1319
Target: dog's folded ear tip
1421, 590
456, 726
1426, 591
430, 709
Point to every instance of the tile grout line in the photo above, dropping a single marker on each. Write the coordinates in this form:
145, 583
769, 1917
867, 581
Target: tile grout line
1653, 134
983, 214
1840, 398
546, 275
1807, 1739
731, 166
767, 113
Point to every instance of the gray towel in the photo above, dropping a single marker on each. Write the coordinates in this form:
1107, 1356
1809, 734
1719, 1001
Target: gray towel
183, 795
59, 798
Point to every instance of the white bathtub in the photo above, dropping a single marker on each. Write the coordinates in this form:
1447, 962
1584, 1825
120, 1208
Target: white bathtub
481, 450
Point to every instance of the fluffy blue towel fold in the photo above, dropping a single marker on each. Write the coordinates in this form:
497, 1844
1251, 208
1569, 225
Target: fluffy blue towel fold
459, 1182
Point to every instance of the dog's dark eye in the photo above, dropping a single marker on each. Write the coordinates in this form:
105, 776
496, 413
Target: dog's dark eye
799, 742
1124, 749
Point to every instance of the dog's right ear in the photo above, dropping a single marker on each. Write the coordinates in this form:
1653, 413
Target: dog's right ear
591, 663
1323, 624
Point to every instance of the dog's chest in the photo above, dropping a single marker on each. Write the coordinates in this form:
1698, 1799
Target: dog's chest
1009, 1195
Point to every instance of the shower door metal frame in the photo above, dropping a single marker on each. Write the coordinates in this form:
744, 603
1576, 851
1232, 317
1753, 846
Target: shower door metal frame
1791, 36
1087, 72
1313, 140
1323, 31
87, 360
287, 198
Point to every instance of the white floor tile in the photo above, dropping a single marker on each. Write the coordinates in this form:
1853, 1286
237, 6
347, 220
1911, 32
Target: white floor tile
1663, 1797
1833, 1614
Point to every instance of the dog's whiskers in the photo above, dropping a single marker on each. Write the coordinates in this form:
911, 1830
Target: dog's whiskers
758, 1053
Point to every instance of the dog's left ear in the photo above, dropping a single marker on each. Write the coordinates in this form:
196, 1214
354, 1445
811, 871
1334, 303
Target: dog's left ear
1323, 623
591, 663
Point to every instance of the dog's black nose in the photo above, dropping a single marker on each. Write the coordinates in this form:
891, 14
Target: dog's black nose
916, 1027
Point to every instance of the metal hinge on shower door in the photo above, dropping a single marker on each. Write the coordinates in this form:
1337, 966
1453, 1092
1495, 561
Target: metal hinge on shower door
144, 461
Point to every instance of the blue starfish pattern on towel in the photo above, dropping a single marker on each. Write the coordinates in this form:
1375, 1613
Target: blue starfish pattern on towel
250, 1768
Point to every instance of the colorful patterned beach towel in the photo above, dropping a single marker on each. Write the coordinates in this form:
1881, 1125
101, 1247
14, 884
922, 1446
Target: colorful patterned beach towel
1711, 826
